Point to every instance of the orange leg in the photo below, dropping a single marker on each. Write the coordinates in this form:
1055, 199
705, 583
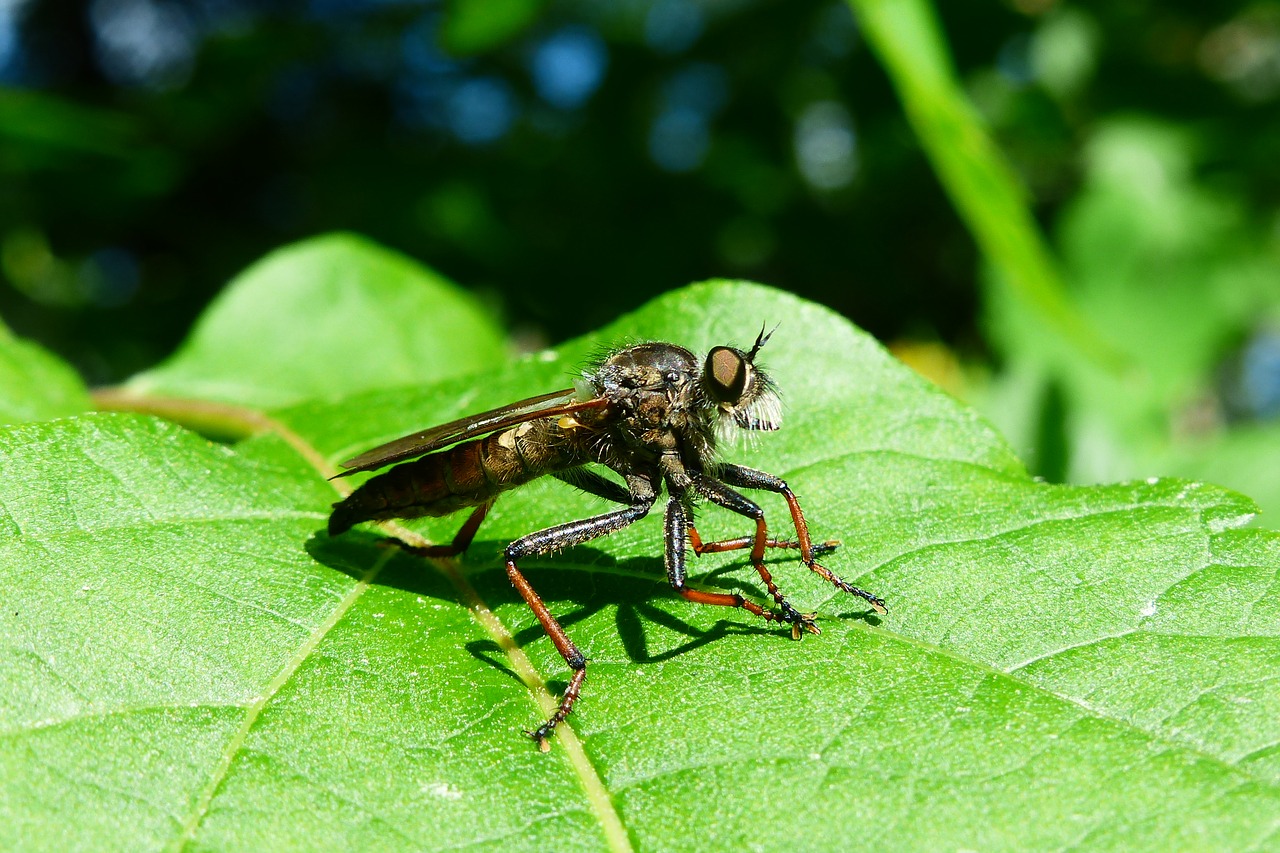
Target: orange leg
554, 539
461, 540
677, 528
750, 478
741, 542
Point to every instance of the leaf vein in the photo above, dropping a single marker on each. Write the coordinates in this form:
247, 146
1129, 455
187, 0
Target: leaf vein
192, 822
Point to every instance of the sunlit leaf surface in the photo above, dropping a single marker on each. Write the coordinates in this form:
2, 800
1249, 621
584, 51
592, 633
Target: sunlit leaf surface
188, 659
34, 384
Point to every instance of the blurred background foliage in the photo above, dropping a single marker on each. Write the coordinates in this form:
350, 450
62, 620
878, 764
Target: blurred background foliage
569, 160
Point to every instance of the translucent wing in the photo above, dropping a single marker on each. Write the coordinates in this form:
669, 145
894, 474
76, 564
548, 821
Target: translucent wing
472, 426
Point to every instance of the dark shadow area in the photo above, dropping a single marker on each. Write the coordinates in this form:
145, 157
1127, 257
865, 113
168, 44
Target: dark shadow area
574, 595
866, 615
255, 125
631, 630
350, 554
1052, 457
633, 588
487, 651
355, 552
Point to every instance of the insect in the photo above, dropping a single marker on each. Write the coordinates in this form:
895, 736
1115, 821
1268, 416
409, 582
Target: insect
653, 415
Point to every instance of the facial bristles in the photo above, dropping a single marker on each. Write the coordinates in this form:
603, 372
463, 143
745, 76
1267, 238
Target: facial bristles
761, 414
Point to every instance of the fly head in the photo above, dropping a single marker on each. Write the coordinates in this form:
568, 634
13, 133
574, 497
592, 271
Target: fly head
742, 394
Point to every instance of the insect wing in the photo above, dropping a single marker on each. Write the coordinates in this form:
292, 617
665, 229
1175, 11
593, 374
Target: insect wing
472, 426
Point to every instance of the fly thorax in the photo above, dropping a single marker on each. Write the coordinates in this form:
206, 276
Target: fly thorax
653, 412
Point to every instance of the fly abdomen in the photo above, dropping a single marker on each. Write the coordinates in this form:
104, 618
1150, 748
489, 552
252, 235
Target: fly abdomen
465, 475
408, 490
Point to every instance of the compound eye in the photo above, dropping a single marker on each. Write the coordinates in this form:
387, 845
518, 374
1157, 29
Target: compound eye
726, 374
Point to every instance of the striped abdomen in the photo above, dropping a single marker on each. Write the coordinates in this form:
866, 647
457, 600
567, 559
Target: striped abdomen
465, 475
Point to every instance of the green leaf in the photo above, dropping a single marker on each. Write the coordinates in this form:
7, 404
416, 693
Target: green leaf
186, 658
988, 195
39, 121
36, 385
327, 317
1172, 269
477, 26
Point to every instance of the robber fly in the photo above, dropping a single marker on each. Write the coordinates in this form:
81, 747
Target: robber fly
650, 413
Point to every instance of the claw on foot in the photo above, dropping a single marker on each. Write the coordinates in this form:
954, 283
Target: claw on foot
539, 736
820, 548
804, 622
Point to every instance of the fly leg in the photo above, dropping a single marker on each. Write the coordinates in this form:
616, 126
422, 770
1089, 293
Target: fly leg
677, 525
740, 542
750, 478
553, 539
594, 484
461, 540
602, 487
719, 493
